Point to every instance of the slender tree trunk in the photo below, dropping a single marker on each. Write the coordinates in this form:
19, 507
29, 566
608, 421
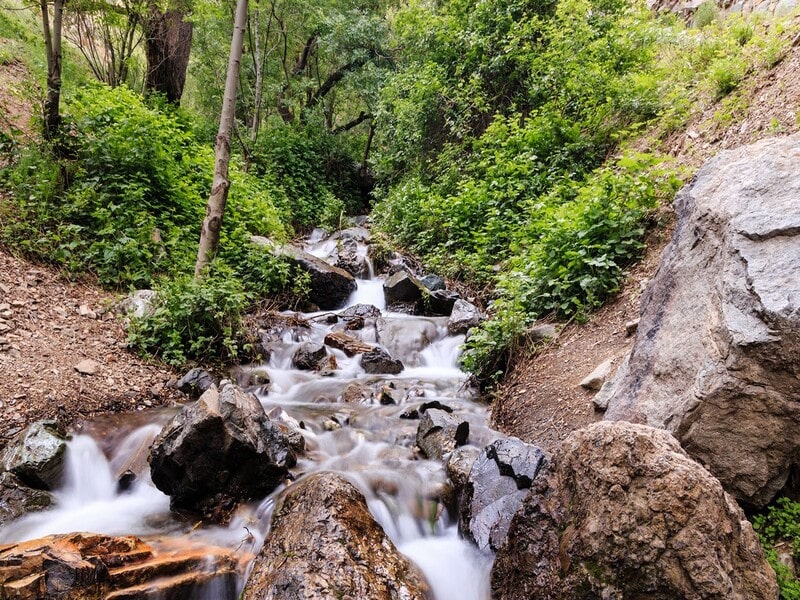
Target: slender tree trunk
168, 41
52, 43
215, 209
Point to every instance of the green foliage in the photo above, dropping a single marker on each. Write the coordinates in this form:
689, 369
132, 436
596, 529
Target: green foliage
781, 524
313, 170
726, 74
194, 320
706, 14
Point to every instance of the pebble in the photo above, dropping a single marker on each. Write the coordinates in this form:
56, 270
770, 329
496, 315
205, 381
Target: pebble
87, 367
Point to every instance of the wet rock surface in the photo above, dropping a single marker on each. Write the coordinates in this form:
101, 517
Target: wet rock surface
497, 484
402, 287
715, 355
86, 566
379, 361
17, 499
36, 455
309, 357
440, 433
324, 543
195, 382
463, 317
621, 511
221, 449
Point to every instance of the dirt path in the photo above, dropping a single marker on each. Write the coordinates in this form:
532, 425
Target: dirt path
50, 331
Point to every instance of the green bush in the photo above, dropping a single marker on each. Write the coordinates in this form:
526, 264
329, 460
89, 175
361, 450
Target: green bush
781, 523
194, 320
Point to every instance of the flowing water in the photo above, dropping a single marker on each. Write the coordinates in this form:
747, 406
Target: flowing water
367, 441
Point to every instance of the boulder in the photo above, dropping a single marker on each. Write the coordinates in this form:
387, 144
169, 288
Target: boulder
596, 379
309, 356
714, 360
219, 450
365, 311
406, 338
497, 484
195, 382
348, 258
330, 286
621, 511
434, 283
441, 302
36, 455
459, 465
402, 287
440, 433
379, 361
463, 317
17, 499
86, 566
324, 543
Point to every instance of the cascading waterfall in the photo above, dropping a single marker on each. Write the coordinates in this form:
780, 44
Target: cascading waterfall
367, 441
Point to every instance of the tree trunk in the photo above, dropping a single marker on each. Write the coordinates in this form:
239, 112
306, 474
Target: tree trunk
52, 43
168, 40
215, 209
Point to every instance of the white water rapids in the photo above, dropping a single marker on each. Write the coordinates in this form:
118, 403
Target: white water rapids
365, 440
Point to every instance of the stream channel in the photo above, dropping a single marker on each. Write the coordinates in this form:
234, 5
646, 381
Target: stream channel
366, 440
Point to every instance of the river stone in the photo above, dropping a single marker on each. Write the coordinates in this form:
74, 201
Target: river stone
324, 543
439, 433
330, 286
365, 311
219, 449
459, 465
379, 361
309, 356
433, 282
463, 317
621, 511
17, 499
497, 484
348, 259
36, 455
195, 382
441, 302
715, 358
402, 287
87, 566
406, 338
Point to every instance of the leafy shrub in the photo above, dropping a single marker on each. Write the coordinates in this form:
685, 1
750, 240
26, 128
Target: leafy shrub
726, 74
706, 14
781, 523
194, 320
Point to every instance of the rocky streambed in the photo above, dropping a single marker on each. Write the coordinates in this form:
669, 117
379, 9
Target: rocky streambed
357, 463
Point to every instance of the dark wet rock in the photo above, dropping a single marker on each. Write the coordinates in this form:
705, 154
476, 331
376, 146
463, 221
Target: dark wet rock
86, 566
463, 317
497, 484
385, 397
715, 359
441, 302
402, 287
348, 258
36, 455
365, 311
17, 499
410, 413
440, 433
621, 511
325, 544
196, 382
433, 282
329, 286
223, 448
459, 465
309, 356
379, 361
434, 404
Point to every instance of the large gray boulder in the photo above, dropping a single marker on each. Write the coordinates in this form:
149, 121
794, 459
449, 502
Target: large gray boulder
402, 287
715, 360
497, 484
221, 449
440, 432
36, 455
324, 543
330, 286
463, 317
621, 511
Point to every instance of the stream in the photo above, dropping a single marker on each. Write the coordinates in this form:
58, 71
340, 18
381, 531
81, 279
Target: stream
367, 439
